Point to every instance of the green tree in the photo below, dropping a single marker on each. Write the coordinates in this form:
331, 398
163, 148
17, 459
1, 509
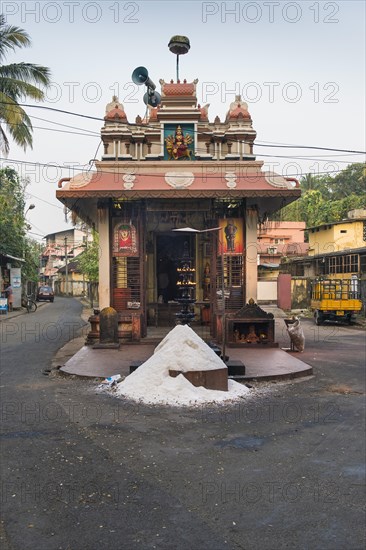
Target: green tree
311, 207
18, 81
88, 261
327, 199
350, 181
32, 252
309, 182
13, 224
12, 221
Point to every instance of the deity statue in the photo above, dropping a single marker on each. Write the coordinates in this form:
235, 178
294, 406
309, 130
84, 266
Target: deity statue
251, 336
177, 145
206, 282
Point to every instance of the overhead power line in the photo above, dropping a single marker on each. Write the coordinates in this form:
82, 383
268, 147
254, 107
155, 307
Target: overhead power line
93, 135
65, 125
257, 144
96, 135
207, 176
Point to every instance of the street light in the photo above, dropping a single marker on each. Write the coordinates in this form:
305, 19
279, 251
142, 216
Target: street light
26, 225
30, 207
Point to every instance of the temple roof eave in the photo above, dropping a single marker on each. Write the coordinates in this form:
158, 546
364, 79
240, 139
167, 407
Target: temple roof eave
86, 203
167, 177
63, 196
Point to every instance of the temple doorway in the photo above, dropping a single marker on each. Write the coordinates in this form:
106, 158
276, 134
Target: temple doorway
170, 248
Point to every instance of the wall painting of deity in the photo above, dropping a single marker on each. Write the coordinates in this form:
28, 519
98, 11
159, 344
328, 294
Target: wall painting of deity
179, 141
232, 236
125, 240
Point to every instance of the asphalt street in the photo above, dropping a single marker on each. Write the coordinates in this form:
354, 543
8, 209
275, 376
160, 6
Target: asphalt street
282, 469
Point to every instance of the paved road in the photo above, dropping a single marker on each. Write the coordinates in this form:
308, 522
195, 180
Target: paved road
82, 470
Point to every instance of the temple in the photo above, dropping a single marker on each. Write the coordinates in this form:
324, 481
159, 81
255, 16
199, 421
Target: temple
174, 186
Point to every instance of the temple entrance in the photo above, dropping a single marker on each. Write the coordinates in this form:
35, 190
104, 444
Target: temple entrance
170, 248
169, 252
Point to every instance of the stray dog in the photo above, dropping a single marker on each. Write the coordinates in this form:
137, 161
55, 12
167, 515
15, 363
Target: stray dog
296, 334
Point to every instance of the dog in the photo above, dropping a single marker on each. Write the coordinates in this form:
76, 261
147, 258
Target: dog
296, 334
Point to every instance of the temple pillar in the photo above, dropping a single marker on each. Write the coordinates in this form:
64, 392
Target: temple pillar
104, 257
251, 254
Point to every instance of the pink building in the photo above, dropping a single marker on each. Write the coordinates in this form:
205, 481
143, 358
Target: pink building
278, 239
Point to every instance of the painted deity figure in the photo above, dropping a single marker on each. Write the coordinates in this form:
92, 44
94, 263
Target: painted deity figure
177, 145
230, 232
125, 237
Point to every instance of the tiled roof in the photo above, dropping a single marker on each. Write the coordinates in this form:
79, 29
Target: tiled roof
178, 89
183, 182
238, 113
116, 113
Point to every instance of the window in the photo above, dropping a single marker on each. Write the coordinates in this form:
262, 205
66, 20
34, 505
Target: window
362, 263
272, 250
342, 264
332, 265
351, 263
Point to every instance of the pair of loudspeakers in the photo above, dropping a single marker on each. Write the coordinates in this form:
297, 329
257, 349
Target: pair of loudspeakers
141, 76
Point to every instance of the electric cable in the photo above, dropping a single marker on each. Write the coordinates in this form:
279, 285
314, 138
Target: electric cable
211, 134
208, 176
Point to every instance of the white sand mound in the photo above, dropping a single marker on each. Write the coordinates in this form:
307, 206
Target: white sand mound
183, 350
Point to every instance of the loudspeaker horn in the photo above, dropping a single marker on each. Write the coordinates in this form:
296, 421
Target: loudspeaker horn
141, 76
153, 99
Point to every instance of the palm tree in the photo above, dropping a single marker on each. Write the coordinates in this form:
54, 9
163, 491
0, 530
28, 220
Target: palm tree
308, 182
311, 182
18, 81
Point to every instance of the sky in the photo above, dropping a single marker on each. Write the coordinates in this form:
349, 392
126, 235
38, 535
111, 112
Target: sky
300, 66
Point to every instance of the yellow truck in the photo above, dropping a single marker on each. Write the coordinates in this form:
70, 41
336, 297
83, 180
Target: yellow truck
335, 299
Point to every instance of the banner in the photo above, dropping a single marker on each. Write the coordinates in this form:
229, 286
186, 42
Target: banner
232, 236
125, 240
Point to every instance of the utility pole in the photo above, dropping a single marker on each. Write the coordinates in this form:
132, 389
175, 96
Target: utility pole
66, 270
86, 248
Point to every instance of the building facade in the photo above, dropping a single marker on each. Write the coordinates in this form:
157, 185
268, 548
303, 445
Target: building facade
336, 250
60, 247
175, 187
279, 239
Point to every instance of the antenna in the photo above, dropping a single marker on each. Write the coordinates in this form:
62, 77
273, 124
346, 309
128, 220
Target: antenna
141, 76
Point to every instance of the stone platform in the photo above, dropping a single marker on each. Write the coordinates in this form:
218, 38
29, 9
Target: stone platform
261, 364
